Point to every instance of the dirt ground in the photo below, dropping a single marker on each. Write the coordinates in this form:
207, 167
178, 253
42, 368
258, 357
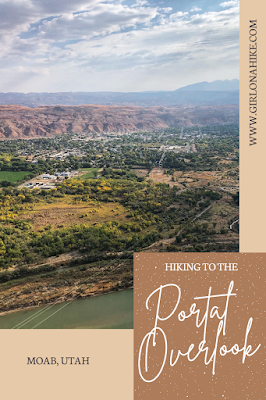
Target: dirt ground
140, 172
191, 179
158, 175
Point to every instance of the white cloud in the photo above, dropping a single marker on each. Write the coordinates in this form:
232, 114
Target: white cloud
231, 3
113, 46
195, 9
103, 19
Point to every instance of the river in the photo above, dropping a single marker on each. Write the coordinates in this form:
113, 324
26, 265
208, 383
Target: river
109, 311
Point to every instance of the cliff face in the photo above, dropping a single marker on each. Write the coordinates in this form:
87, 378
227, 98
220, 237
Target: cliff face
18, 122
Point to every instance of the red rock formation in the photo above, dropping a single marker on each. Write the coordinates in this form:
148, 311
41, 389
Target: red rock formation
17, 122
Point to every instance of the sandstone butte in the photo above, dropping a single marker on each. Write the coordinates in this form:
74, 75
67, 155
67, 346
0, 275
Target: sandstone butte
17, 122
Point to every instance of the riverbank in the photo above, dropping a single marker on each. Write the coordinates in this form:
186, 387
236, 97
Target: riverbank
34, 307
78, 282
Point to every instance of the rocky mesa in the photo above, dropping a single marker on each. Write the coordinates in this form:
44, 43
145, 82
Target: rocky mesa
18, 122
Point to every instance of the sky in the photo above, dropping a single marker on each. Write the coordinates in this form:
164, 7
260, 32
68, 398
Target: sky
116, 45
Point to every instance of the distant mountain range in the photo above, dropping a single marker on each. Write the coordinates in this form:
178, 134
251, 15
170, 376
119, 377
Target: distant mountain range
203, 93
215, 86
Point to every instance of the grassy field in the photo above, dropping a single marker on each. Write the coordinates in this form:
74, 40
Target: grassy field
88, 173
12, 176
65, 213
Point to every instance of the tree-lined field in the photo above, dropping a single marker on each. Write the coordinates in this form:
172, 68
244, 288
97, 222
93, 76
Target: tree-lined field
106, 214
88, 173
69, 210
13, 176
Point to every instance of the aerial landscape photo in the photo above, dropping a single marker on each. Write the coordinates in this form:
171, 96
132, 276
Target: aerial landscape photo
119, 132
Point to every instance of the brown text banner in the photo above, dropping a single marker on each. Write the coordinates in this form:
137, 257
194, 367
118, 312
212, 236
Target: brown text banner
199, 327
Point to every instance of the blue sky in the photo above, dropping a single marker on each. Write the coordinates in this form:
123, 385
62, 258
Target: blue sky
131, 45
